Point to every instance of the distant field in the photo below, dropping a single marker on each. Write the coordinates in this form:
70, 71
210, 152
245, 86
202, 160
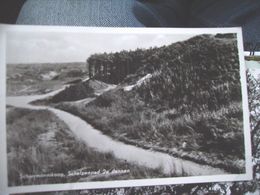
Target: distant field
29, 79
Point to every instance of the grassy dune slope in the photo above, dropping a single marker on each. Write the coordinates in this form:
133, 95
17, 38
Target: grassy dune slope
190, 107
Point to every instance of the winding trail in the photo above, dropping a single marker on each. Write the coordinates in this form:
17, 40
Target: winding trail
95, 139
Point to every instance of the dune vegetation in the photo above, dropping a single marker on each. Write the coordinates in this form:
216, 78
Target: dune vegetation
191, 106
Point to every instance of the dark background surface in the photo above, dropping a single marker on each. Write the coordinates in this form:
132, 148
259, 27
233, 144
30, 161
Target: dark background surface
9, 10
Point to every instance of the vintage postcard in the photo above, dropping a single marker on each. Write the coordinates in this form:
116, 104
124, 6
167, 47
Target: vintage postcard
86, 108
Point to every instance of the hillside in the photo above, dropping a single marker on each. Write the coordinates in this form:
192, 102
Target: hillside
189, 105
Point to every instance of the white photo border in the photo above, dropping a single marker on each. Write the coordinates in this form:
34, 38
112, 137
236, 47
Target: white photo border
5, 29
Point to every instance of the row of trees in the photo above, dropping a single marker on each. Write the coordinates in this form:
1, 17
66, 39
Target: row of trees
114, 67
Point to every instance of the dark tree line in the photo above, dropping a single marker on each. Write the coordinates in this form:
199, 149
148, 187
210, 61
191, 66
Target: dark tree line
114, 67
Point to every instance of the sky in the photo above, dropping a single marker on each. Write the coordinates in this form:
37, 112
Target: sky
49, 47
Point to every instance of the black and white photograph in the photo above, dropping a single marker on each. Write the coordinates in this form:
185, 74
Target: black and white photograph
101, 105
